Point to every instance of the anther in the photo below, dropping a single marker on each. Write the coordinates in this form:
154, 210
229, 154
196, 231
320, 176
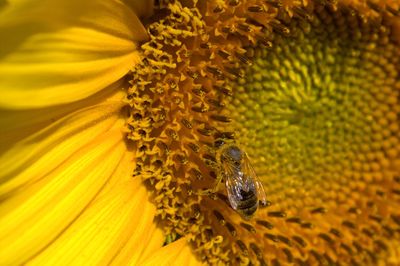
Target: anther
181, 158
354, 263
209, 160
244, 59
228, 30
288, 254
318, 210
381, 244
186, 123
327, 238
349, 224
307, 225
272, 237
196, 173
317, 256
248, 227
375, 218
265, 42
301, 13
199, 109
194, 147
256, 250
225, 135
396, 191
196, 211
395, 218
358, 247
367, 232
205, 131
205, 45
354, 210
393, 11
193, 75
219, 143
224, 90
244, 27
285, 240
234, 2
242, 246
218, 9
371, 255
219, 217
164, 147
265, 224
215, 103
278, 214
328, 259
172, 133
296, 220
223, 54
300, 241
231, 229
389, 231
279, 27
199, 92
214, 70
274, 3
237, 72
255, 9
301, 262
275, 262
374, 6
346, 248
335, 232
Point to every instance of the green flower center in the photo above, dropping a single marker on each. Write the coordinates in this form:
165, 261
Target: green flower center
310, 92
321, 105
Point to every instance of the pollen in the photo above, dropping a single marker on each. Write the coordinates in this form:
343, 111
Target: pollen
310, 90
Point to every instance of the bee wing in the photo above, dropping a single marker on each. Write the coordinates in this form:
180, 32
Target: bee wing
232, 188
250, 173
233, 184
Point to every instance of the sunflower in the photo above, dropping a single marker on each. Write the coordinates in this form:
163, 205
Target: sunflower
67, 192
114, 115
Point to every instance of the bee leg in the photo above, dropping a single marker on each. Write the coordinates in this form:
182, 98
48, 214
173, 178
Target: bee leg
215, 189
210, 192
205, 192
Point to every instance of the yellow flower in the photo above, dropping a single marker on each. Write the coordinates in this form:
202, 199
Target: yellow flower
67, 192
97, 109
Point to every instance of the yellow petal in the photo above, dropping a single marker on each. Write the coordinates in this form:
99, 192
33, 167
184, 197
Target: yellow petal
140, 245
143, 8
57, 52
97, 236
32, 158
38, 213
50, 178
19, 124
176, 253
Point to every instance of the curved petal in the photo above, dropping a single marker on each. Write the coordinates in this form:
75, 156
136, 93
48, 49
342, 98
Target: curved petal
144, 8
104, 228
176, 253
140, 245
49, 179
20, 124
34, 157
56, 52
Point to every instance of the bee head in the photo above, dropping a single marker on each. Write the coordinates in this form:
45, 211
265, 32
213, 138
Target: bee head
234, 153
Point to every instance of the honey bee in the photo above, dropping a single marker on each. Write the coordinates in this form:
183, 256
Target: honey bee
243, 187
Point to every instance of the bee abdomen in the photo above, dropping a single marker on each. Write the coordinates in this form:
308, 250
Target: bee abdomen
249, 203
